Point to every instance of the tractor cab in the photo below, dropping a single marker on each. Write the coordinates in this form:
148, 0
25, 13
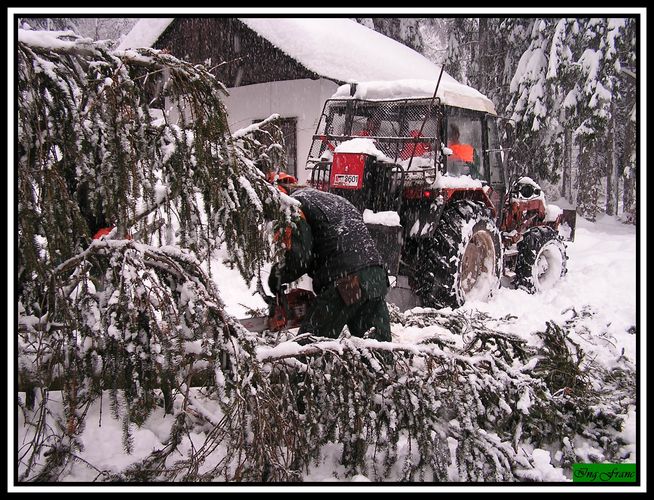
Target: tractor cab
364, 150
386, 153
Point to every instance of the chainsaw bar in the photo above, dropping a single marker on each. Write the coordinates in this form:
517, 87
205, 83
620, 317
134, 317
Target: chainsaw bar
261, 323
256, 324
287, 312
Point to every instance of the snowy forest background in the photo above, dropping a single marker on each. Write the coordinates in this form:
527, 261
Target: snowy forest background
130, 336
569, 84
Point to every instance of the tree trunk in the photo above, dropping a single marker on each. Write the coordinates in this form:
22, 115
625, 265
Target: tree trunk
484, 74
567, 166
588, 180
629, 173
628, 198
609, 209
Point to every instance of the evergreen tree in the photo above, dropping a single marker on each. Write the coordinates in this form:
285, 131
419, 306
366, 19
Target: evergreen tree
596, 90
532, 105
134, 310
404, 30
462, 47
626, 119
561, 82
433, 31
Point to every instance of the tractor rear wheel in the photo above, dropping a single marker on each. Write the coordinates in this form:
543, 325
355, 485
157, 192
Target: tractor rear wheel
462, 261
541, 259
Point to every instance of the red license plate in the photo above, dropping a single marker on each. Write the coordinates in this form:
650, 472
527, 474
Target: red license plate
347, 170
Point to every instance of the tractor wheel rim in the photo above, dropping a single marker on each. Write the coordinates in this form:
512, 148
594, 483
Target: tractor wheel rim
542, 266
477, 260
548, 267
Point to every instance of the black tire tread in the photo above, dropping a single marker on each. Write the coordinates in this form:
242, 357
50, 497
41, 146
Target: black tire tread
435, 268
532, 241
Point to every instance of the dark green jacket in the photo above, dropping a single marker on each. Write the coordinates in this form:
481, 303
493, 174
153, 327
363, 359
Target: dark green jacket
331, 242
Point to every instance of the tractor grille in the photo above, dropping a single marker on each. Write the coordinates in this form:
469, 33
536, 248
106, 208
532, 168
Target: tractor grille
394, 125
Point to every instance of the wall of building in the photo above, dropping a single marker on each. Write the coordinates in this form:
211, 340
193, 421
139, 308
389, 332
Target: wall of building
300, 99
238, 55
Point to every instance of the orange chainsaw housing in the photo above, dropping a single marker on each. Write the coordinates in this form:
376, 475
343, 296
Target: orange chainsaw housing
290, 309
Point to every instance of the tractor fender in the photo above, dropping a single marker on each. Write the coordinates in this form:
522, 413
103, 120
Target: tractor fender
476, 195
427, 220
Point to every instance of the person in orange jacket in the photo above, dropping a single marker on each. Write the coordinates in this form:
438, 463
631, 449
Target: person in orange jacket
462, 153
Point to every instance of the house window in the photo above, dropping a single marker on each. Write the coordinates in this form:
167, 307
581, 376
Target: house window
288, 127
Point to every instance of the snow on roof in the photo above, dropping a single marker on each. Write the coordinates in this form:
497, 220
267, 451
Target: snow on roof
343, 49
145, 32
450, 92
346, 51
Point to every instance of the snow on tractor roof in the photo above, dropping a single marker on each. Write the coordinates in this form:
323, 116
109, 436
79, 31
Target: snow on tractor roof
450, 92
361, 145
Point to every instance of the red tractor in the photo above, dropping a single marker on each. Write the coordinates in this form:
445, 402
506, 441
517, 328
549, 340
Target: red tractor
430, 176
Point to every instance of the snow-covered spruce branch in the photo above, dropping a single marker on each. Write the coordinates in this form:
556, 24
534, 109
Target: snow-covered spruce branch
100, 157
452, 413
145, 325
371, 397
255, 127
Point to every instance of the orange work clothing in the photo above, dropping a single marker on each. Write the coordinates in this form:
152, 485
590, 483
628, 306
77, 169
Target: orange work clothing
463, 152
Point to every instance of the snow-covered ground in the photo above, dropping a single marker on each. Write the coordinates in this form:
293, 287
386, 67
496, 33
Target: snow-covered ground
601, 280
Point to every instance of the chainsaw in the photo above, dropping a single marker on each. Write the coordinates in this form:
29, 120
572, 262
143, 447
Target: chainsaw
287, 310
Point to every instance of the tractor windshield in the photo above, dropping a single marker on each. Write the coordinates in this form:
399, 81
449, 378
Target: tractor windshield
464, 141
409, 133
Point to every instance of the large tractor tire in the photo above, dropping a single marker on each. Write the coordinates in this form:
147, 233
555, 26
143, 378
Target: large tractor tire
542, 260
462, 261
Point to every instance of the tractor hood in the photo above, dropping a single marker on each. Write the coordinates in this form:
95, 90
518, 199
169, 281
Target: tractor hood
450, 92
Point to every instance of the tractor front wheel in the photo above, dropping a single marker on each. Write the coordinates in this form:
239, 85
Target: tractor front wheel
541, 260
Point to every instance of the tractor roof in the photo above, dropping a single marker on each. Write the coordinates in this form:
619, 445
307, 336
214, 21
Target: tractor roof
450, 92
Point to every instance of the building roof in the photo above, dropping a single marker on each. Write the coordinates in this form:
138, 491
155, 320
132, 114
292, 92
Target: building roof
338, 49
145, 32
